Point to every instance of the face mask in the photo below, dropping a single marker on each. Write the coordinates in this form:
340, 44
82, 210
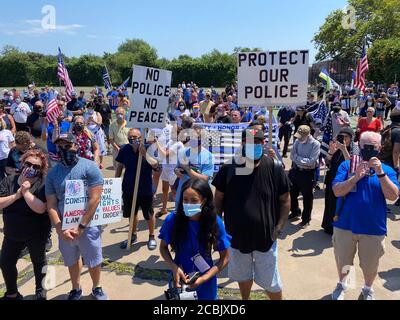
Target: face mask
30, 173
68, 157
90, 111
133, 141
367, 154
254, 151
78, 127
120, 117
220, 113
369, 103
181, 108
191, 209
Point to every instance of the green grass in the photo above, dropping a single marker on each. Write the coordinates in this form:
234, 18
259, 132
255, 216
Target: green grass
234, 294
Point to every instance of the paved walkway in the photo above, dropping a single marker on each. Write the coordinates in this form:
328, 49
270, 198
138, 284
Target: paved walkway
307, 264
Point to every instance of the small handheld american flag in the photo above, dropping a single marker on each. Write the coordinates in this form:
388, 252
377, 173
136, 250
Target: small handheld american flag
53, 111
355, 160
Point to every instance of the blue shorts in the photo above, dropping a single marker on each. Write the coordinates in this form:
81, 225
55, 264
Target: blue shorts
261, 267
88, 246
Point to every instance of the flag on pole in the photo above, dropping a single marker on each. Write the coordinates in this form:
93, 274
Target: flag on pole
330, 83
321, 112
125, 84
353, 79
107, 80
53, 111
362, 69
64, 76
328, 137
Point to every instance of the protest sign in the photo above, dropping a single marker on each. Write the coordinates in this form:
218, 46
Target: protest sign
151, 89
76, 200
273, 78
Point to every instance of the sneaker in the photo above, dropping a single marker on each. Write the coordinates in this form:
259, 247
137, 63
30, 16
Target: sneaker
294, 216
152, 244
368, 294
75, 294
40, 295
338, 293
161, 213
19, 297
124, 244
99, 294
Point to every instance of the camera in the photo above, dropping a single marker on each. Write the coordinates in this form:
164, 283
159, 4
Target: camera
180, 294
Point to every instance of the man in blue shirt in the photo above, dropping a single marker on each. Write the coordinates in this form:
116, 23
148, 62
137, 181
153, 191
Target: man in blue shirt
127, 158
194, 162
360, 219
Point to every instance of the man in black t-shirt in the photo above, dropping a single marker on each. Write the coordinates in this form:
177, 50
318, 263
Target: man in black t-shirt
254, 197
303, 118
285, 115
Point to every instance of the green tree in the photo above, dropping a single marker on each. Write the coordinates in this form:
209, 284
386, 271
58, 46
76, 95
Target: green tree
375, 20
384, 61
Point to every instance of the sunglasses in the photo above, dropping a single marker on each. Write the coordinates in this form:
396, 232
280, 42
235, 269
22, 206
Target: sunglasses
31, 165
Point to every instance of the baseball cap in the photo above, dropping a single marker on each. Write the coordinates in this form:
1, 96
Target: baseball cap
253, 134
73, 94
300, 108
302, 132
66, 136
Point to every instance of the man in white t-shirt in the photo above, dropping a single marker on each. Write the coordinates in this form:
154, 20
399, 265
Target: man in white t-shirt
20, 111
6, 143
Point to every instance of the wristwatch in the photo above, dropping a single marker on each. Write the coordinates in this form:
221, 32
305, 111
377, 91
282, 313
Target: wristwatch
82, 226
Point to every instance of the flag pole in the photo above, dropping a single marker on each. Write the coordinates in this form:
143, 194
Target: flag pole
270, 127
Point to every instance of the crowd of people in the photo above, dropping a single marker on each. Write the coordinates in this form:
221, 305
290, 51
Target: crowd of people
254, 195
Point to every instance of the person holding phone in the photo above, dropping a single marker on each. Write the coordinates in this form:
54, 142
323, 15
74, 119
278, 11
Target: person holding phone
193, 233
361, 219
340, 149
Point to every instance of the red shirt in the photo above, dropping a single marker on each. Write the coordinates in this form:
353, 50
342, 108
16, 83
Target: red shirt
374, 126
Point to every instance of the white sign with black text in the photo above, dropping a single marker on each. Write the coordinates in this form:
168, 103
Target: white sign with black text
151, 89
76, 200
273, 78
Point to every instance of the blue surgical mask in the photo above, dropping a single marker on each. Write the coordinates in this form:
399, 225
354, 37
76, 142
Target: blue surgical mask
191, 209
254, 151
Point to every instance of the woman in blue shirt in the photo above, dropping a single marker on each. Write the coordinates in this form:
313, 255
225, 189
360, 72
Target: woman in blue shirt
192, 234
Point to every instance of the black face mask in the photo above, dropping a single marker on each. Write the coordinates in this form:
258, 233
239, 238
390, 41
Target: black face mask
78, 128
69, 158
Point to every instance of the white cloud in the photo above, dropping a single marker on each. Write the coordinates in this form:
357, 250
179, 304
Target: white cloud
34, 27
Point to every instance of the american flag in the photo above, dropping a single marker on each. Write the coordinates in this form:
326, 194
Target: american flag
362, 69
355, 160
106, 78
52, 111
64, 76
328, 137
223, 140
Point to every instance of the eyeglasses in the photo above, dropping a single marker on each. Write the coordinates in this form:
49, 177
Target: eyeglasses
31, 165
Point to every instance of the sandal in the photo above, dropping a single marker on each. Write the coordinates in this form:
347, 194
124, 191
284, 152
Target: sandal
161, 213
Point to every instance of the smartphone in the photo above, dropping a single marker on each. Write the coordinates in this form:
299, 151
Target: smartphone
340, 138
369, 151
193, 277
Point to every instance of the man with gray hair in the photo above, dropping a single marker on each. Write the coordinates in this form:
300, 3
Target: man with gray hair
362, 186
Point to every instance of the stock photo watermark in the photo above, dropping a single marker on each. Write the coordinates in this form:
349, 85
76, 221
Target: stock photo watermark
349, 19
49, 18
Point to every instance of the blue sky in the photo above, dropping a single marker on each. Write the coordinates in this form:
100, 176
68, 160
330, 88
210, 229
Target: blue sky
172, 27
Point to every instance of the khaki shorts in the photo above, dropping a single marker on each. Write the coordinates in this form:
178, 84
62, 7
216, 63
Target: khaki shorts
370, 250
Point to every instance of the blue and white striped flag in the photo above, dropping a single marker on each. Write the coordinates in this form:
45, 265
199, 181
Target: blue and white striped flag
321, 112
328, 137
223, 140
125, 84
106, 78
